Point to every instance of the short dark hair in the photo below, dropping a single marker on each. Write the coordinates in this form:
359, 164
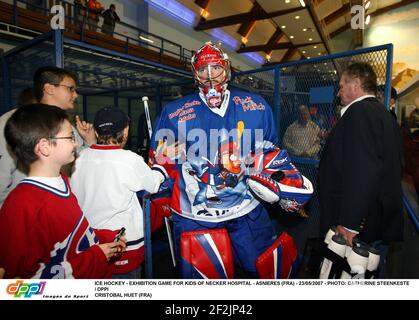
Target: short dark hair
112, 6
117, 137
26, 96
28, 125
364, 72
51, 75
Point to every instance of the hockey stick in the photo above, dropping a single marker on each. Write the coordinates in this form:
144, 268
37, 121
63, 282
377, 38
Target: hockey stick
168, 228
147, 115
169, 236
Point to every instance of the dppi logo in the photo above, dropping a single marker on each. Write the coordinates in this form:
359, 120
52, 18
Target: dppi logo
27, 290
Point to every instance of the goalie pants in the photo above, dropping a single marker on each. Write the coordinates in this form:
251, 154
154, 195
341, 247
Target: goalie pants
250, 235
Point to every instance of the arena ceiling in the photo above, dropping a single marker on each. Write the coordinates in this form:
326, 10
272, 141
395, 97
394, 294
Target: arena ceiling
285, 30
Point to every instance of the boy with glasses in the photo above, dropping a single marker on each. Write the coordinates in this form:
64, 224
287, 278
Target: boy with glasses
51, 86
56, 86
42, 228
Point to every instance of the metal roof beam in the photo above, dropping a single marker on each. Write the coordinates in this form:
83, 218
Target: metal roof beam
276, 46
246, 28
341, 12
313, 15
240, 18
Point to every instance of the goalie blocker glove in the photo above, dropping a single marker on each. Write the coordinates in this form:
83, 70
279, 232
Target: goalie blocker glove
279, 180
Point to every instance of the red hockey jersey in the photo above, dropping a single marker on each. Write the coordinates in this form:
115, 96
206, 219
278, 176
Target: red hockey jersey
44, 234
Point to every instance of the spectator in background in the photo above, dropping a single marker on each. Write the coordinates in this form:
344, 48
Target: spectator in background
25, 97
95, 8
58, 87
414, 120
318, 118
334, 117
11, 172
321, 121
80, 7
36, 6
52, 86
110, 17
393, 100
359, 179
410, 131
302, 137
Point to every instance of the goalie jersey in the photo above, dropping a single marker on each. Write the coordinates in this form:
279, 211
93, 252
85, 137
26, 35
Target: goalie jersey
209, 153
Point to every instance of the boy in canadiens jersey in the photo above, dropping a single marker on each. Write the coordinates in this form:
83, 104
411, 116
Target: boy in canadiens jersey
44, 233
106, 179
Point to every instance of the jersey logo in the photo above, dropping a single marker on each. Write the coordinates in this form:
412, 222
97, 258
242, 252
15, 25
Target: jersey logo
248, 104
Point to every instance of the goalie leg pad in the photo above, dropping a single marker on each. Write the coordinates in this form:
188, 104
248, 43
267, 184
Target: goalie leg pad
206, 254
280, 260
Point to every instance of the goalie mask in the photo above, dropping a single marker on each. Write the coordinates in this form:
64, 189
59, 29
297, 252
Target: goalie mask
211, 69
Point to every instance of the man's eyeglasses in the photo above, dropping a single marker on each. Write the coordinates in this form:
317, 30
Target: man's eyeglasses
72, 138
71, 88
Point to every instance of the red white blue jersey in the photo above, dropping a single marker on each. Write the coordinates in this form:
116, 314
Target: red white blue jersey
44, 234
214, 154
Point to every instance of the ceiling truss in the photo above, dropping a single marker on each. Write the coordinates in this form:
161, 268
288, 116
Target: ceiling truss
280, 40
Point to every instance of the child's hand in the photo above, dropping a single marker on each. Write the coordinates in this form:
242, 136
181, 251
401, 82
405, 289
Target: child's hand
86, 131
124, 240
113, 249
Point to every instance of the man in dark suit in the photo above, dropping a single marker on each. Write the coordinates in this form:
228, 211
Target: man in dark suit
360, 168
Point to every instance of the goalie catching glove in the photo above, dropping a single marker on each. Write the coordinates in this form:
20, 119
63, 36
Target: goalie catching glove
277, 179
